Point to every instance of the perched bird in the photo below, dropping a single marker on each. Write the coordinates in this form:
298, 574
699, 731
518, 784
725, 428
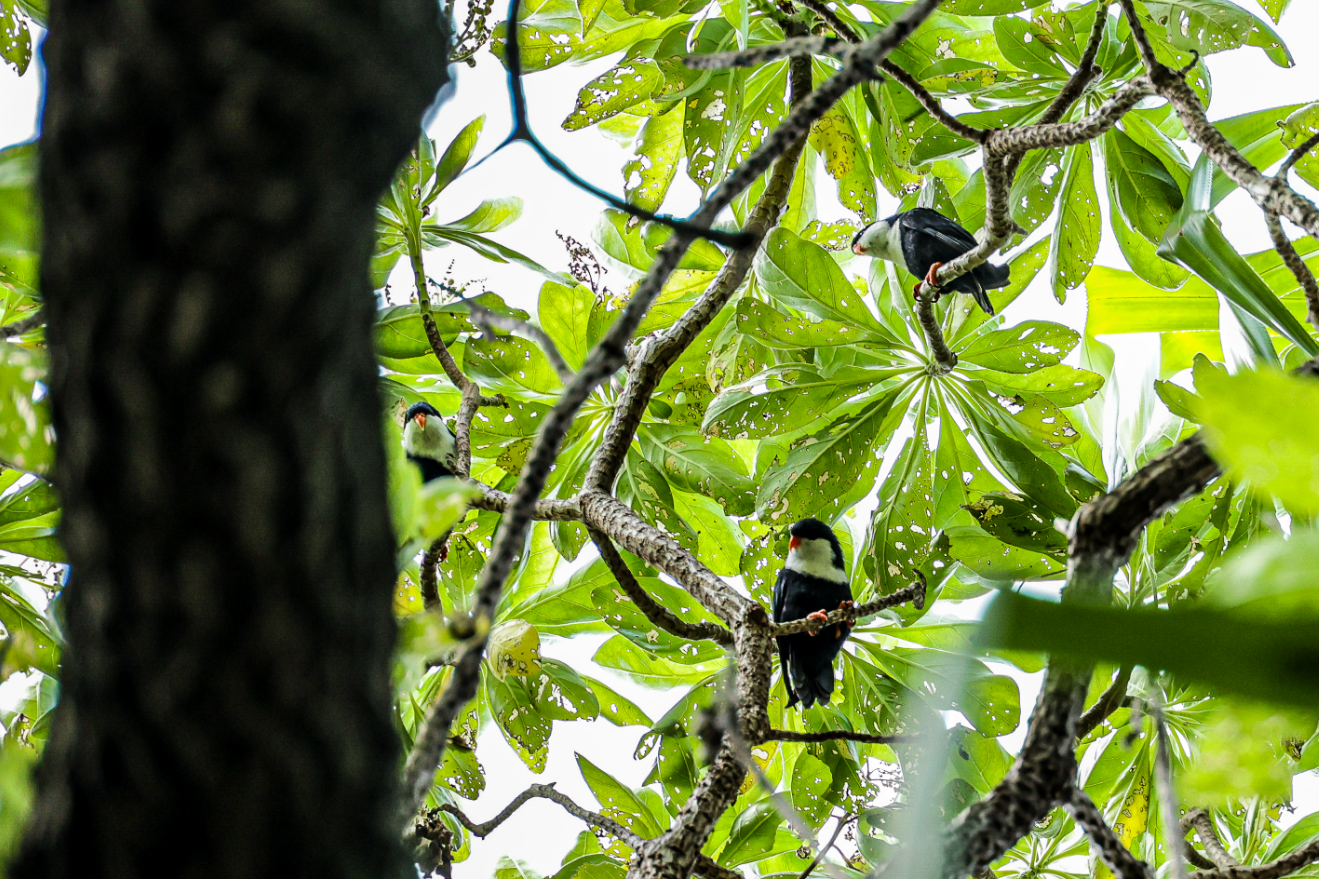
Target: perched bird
923, 240
812, 582
428, 442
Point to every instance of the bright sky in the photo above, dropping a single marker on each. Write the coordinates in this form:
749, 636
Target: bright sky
1244, 80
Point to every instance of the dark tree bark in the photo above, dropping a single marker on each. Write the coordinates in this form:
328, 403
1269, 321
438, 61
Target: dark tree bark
209, 170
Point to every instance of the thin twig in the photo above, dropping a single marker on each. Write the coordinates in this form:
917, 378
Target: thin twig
491, 320
732, 735
546, 792
1297, 154
932, 105
836, 735
1106, 704
824, 849
758, 55
831, 18
914, 592
1293, 261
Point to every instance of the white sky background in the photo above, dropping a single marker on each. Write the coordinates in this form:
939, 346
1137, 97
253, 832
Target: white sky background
1244, 80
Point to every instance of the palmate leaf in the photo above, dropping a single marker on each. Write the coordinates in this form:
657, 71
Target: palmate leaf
819, 472
784, 399
706, 465
802, 275
1024, 348
1209, 26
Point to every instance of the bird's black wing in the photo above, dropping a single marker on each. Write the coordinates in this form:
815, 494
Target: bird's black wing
785, 649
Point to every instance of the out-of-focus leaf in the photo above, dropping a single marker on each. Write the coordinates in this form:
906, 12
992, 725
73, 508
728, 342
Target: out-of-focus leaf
514, 649
1265, 425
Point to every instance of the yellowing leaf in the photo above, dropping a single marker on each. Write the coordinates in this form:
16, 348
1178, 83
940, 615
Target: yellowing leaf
514, 649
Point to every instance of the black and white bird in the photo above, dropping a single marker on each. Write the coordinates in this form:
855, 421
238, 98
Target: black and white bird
813, 582
427, 441
923, 239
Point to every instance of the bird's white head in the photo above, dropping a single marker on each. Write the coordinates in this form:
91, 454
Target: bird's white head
813, 550
880, 240
425, 434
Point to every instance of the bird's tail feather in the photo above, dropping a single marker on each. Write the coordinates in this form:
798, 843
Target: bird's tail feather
994, 276
981, 297
814, 688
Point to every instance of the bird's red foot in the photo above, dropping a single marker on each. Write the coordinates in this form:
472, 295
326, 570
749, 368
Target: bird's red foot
929, 276
818, 615
844, 606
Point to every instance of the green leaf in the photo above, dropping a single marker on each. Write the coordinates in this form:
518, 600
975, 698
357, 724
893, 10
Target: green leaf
1264, 426
15, 38
703, 464
708, 125
659, 149
489, 216
1018, 522
525, 729
615, 708
802, 275
617, 800
622, 615
752, 836
1297, 128
1209, 26
458, 154
823, 467
437, 235
775, 329
1024, 348
988, 557
1064, 385
511, 364
837, 140
613, 91
1268, 660
18, 214
400, 334
810, 782
1147, 195
989, 7
782, 399
621, 655
562, 694
1076, 237
564, 314
1120, 302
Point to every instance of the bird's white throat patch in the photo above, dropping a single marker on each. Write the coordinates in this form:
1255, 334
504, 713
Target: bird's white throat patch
433, 442
883, 240
815, 558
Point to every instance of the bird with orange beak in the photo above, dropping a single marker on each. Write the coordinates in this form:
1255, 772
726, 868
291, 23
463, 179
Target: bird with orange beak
922, 240
427, 441
813, 582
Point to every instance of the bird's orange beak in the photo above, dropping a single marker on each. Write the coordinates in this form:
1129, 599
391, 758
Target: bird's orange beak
421, 420
856, 248
794, 542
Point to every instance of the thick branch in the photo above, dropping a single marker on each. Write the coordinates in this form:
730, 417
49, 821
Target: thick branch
657, 613
610, 516
915, 593
1200, 821
1114, 854
1009, 141
429, 584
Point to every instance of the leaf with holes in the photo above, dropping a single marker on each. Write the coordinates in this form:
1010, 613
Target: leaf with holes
646, 176
703, 464
1076, 238
624, 617
1028, 346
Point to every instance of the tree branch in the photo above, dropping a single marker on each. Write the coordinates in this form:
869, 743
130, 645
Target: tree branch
656, 354
547, 792
758, 55
1270, 193
932, 105
836, 735
1108, 702
1293, 261
1200, 821
1290, 863
1167, 794
490, 320
822, 850
657, 613
1114, 854
551, 510
915, 593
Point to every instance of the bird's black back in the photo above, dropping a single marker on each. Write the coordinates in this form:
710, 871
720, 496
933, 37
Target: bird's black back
803, 656
929, 237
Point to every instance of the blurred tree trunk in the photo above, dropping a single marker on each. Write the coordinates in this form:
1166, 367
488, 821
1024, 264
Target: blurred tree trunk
209, 170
